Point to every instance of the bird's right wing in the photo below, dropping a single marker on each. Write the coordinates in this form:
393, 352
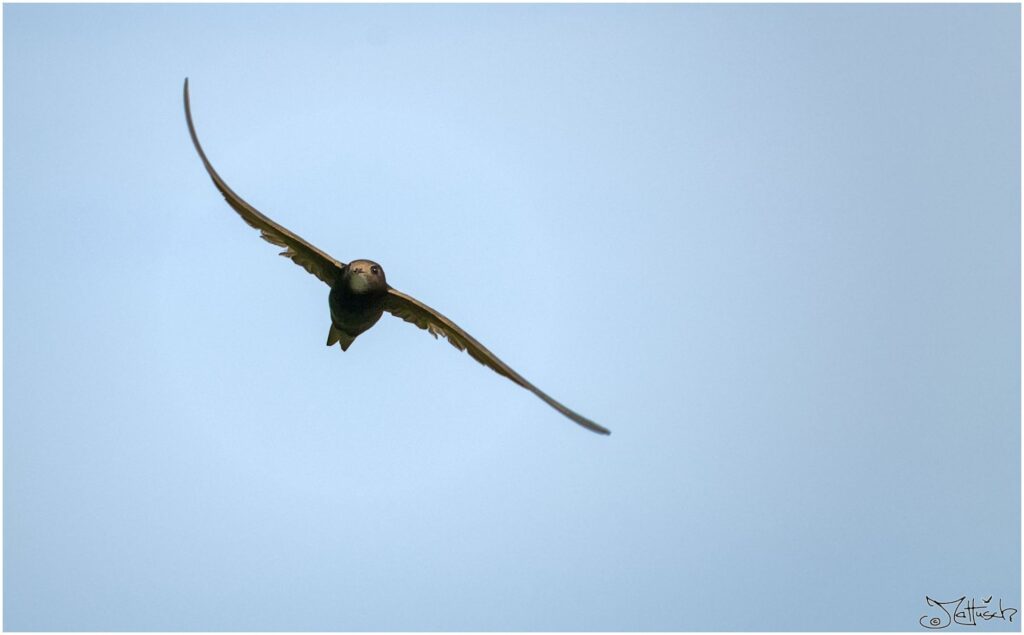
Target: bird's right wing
412, 310
301, 252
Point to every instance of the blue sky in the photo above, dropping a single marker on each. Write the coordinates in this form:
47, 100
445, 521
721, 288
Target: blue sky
776, 249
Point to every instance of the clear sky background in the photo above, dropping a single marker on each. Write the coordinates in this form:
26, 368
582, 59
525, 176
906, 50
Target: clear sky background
776, 249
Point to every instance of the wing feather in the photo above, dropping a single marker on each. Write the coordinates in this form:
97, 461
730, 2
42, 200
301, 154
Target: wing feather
415, 312
298, 250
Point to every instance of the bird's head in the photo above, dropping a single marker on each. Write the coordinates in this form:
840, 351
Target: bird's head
365, 276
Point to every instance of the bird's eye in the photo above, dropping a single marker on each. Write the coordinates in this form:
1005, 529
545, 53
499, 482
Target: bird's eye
374, 270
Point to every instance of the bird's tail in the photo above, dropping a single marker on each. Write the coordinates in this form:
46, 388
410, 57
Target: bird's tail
337, 335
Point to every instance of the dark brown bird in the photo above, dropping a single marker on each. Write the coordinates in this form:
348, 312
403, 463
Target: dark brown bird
360, 293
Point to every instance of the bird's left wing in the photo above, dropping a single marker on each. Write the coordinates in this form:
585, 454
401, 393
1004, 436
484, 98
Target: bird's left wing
412, 310
301, 252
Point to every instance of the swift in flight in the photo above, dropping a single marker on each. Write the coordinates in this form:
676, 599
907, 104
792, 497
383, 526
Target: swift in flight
360, 293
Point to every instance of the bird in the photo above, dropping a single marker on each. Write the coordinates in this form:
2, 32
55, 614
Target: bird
360, 294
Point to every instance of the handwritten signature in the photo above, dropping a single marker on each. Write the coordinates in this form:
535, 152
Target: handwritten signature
965, 614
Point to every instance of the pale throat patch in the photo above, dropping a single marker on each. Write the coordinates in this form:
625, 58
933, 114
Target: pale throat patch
358, 283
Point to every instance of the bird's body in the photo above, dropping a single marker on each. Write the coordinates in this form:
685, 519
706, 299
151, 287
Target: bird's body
356, 301
360, 294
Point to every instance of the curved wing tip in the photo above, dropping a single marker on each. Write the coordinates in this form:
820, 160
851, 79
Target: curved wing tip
590, 425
